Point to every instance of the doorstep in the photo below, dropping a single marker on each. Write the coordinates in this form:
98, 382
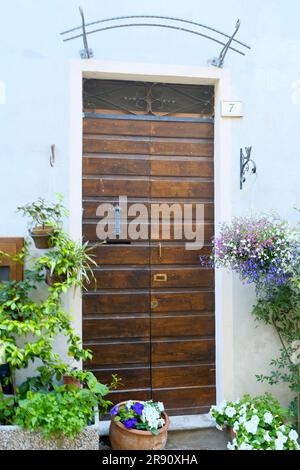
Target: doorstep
177, 423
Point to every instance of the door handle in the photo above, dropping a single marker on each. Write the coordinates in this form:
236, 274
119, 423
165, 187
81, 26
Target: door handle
160, 277
159, 250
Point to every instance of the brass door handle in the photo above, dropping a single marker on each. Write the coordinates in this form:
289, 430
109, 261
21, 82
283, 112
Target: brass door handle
159, 250
160, 277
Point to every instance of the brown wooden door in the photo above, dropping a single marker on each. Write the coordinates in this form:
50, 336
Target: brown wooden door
151, 319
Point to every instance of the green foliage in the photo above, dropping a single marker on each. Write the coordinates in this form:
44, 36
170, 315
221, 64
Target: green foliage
69, 262
7, 409
59, 412
44, 213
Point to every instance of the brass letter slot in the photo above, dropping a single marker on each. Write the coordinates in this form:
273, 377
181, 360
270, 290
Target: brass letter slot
162, 277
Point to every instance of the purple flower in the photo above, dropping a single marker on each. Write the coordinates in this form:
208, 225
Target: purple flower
130, 423
114, 411
138, 408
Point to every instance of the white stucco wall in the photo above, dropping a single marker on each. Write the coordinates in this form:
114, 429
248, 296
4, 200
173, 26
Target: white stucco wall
35, 111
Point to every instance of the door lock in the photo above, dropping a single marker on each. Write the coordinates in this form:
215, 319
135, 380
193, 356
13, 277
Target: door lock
161, 277
154, 303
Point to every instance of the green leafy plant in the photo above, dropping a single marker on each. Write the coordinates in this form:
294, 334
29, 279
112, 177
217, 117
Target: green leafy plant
69, 263
7, 409
43, 213
259, 423
63, 411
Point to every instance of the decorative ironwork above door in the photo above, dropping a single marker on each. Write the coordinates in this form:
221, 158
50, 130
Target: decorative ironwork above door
225, 40
154, 99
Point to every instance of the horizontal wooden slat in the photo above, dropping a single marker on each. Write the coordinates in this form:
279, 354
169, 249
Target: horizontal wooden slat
184, 325
115, 146
115, 166
115, 187
132, 378
185, 301
119, 396
182, 376
182, 277
185, 397
176, 254
182, 167
116, 302
183, 351
90, 207
122, 278
138, 230
117, 353
198, 149
128, 327
181, 188
146, 128
133, 254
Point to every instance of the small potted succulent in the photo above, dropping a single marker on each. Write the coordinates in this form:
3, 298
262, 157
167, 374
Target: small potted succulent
138, 425
45, 218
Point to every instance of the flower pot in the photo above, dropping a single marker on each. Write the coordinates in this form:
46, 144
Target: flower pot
42, 237
122, 438
69, 380
52, 279
232, 433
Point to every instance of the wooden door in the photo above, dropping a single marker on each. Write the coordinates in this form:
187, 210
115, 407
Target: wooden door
151, 319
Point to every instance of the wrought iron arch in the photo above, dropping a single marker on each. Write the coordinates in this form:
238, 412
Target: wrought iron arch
217, 61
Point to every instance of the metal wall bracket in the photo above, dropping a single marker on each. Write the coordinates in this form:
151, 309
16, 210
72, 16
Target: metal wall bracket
85, 53
245, 162
219, 61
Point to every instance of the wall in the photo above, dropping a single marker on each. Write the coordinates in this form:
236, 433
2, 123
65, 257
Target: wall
35, 69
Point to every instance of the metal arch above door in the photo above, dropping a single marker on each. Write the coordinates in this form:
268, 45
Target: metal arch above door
151, 319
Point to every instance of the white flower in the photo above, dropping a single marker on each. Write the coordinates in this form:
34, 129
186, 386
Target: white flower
129, 404
268, 417
230, 446
160, 406
220, 428
245, 446
278, 444
236, 426
252, 424
230, 411
267, 437
293, 435
242, 419
281, 437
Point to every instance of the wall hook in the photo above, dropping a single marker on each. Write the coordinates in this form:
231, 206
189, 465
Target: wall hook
245, 162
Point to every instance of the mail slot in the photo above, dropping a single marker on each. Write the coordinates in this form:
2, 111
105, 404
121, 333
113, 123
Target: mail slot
162, 277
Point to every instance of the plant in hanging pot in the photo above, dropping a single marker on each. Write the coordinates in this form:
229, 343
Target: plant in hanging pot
69, 263
138, 425
45, 219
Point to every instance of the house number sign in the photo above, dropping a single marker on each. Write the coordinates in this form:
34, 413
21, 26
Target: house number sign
232, 109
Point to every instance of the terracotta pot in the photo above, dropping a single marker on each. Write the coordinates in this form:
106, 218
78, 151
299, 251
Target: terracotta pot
122, 438
42, 237
52, 279
232, 433
69, 380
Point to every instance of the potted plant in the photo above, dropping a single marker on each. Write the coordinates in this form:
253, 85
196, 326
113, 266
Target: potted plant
45, 218
256, 424
138, 425
69, 262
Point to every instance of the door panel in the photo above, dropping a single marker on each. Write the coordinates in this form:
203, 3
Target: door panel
150, 317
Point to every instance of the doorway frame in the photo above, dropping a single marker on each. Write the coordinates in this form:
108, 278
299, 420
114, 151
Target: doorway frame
223, 192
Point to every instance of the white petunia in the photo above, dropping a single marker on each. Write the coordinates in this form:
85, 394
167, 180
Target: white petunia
267, 437
160, 406
245, 446
279, 444
293, 435
268, 417
252, 425
230, 411
230, 446
281, 437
